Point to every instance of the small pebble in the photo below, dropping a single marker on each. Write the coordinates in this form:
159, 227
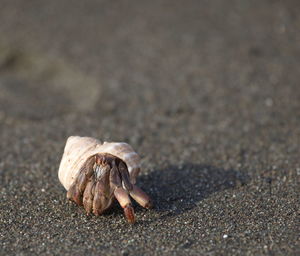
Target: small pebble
269, 102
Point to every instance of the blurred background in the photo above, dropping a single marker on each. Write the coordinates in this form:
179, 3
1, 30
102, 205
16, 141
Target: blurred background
206, 91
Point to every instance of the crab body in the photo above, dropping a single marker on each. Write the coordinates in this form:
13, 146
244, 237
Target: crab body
94, 174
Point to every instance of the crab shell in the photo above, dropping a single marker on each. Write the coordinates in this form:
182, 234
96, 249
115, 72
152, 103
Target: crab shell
79, 149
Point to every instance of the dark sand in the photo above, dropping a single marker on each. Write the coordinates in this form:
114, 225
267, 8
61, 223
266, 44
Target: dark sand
206, 91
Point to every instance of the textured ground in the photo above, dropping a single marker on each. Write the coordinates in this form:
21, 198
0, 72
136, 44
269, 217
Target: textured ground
206, 91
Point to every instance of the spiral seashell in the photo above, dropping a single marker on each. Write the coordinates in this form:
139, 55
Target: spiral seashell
95, 173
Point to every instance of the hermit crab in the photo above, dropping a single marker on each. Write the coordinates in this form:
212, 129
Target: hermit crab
95, 173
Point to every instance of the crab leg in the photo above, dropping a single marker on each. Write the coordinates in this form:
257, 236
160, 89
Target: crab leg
85, 174
114, 177
88, 196
125, 176
99, 201
121, 194
77, 188
141, 197
74, 194
101, 193
135, 192
123, 198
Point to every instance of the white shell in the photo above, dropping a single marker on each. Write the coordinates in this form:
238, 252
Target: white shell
79, 149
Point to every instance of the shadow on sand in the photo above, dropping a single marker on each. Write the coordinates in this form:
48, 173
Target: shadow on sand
177, 189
